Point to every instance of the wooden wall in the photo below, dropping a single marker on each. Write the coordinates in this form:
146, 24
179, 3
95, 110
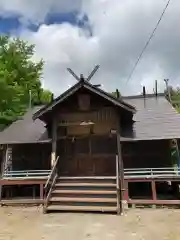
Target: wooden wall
85, 106
103, 120
31, 156
84, 148
92, 155
1, 160
90, 145
146, 154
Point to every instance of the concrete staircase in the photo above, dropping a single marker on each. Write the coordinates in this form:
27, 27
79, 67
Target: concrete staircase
83, 194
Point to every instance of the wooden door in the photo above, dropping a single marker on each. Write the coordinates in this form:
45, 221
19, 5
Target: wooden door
84, 166
104, 166
76, 160
84, 159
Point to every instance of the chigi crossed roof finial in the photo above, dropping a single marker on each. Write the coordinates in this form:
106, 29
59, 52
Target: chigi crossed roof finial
82, 78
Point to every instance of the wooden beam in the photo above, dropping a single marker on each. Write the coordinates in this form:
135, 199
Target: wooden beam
20, 201
6, 159
121, 168
41, 191
161, 179
0, 193
153, 187
126, 191
34, 192
95, 155
54, 140
2, 162
156, 202
118, 186
5, 182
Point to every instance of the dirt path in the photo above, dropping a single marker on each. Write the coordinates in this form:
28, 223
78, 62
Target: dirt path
30, 223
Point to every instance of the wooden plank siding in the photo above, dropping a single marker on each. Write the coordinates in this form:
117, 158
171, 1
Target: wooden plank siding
93, 155
146, 154
103, 120
86, 150
31, 156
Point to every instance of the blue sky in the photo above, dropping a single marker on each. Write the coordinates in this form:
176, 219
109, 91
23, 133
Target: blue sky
13, 24
110, 33
9, 24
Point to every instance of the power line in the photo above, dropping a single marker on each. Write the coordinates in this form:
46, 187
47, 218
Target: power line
147, 43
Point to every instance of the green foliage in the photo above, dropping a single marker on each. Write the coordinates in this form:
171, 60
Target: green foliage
45, 96
19, 74
116, 94
175, 97
174, 93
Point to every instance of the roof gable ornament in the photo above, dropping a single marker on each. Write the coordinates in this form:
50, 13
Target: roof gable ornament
82, 78
92, 88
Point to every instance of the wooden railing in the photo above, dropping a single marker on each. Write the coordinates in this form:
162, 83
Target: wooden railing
151, 172
26, 174
50, 184
118, 186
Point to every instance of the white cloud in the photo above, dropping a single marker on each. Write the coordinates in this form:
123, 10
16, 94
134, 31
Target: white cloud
63, 46
120, 29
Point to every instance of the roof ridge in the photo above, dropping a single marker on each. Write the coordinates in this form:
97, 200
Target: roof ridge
150, 95
76, 87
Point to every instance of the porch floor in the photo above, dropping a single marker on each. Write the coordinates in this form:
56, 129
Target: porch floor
21, 201
140, 175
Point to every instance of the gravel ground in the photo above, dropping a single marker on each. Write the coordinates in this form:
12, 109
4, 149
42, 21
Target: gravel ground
30, 223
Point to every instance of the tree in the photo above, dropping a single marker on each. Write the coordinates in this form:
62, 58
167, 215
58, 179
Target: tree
45, 96
116, 94
175, 97
19, 74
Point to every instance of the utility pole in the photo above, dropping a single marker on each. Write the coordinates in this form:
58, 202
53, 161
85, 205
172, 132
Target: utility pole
156, 88
167, 88
30, 99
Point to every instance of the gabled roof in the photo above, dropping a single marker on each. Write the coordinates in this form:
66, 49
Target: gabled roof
155, 118
91, 88
25, 130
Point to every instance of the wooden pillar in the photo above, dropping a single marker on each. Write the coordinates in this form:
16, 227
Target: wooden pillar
1, 188
34, 191
41, 191
7, 159
121, 168
54, 140
126, 191
153, 187
2, 163
118, 187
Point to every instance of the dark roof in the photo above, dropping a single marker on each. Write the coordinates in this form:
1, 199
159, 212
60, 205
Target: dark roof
150, 95
155, 118
25, 130
90, 87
